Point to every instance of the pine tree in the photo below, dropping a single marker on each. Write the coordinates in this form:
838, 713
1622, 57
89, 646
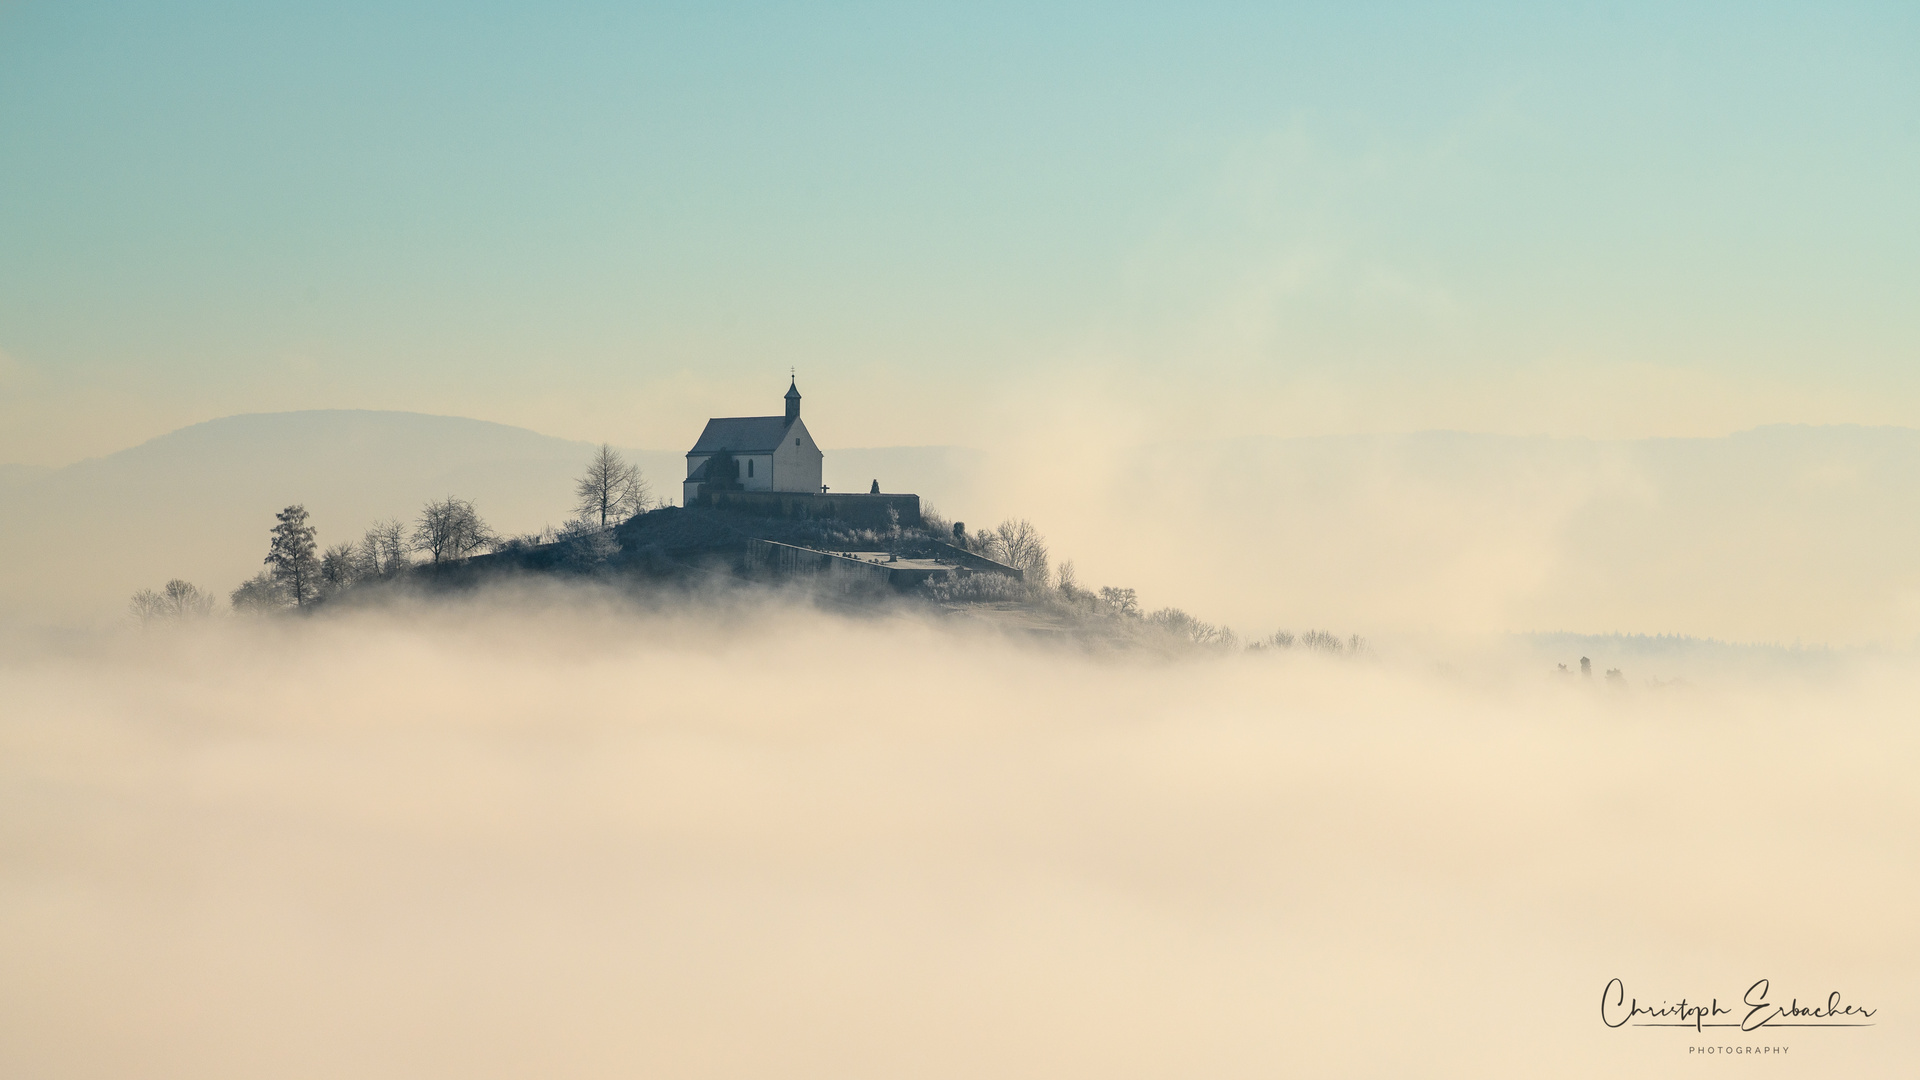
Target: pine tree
291, 557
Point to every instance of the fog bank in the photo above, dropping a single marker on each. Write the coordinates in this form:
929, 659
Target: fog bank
1781, 534
553, 837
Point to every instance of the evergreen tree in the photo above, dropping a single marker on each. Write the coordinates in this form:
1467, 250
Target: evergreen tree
291, 556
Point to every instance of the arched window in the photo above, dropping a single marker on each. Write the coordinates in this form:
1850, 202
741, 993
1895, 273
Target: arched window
749, 468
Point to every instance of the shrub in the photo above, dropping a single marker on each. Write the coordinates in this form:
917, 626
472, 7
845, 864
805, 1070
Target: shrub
1320, 640
259, 595
1181, 625
985, 587
934, 524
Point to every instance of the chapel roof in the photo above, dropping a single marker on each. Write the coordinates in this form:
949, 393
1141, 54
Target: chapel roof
742, 434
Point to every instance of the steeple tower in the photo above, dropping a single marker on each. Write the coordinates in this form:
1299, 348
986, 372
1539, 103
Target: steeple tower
793, 402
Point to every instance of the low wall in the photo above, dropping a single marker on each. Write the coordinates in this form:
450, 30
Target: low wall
963, 557
786, 560
866, 511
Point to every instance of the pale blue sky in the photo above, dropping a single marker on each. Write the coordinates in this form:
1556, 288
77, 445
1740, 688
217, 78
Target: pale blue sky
596, 220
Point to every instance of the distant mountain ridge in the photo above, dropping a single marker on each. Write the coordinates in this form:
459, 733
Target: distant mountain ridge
15, 475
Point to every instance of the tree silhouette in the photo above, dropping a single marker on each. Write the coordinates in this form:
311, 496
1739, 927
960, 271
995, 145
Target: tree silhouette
449, 529
611, 489
179, 601
291, 558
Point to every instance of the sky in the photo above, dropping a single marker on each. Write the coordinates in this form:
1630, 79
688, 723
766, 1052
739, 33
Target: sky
608, 222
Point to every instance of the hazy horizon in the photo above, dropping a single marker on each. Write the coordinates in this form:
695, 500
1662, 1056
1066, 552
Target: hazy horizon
1780, 534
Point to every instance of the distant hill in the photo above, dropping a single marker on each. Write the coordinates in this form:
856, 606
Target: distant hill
197, 503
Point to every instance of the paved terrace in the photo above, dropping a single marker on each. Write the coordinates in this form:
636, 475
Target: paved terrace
890, 562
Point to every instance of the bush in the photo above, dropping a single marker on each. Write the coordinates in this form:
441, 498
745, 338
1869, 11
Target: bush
259, 595
587, 546
977, 588
935, 524
1181, 625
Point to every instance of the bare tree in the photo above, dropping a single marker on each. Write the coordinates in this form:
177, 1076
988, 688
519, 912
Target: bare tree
145, 607
179, 601
382, 550
186, 600
339, 567
612, 490
291, 556
1018, 544
449, 529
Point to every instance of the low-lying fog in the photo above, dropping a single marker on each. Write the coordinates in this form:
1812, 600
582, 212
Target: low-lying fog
538, 835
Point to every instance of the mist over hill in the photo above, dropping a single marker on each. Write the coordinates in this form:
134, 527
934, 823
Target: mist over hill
1777, 534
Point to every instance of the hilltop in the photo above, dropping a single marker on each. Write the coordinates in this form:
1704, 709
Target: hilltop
195, 503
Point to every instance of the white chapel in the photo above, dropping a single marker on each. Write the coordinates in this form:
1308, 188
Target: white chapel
754, 453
